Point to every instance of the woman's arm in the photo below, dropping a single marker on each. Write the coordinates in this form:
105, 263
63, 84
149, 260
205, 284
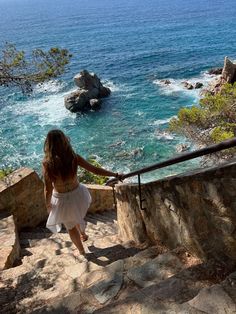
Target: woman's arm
96, 170
48, 188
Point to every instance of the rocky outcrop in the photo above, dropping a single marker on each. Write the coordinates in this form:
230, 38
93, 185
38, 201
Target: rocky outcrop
215, 71
196, 210
228, 75
229, 71
89, 94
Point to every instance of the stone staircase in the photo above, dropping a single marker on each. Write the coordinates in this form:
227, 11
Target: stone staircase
115, 277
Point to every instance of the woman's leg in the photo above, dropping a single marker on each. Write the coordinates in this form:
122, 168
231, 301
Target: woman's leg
83, 235
75, 238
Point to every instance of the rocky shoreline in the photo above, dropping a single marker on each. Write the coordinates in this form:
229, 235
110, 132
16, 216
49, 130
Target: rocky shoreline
220, 76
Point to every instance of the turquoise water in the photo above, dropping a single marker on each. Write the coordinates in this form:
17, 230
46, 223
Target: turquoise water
131, 45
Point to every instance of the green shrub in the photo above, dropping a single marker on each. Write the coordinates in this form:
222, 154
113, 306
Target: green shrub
88, 177
213, 121
5, 172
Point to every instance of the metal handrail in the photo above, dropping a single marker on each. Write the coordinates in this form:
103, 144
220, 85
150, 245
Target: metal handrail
183, 157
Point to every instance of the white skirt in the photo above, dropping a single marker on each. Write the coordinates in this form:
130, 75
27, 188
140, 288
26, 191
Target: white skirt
69, 209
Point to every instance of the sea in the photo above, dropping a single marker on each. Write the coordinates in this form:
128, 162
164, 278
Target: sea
132, 45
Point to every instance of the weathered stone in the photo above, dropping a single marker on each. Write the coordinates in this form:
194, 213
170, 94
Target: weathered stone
181, 148
87, 97
104, 92
95, 104
102, 198
188, 85
77, 101
141, 258
21, 194
198, 85
109, 282
156, 270
213, 300
10, 246
195, 210
87, 81
229, 71
215, 71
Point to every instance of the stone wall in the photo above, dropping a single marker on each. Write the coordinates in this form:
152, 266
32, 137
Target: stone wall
21, 194
102, 198
22, 205
10, 246
196, 210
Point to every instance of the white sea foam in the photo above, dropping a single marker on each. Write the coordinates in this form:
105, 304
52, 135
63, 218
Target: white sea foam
177, 85
49, 109
160, 121
113, 87
163, 135
52, 86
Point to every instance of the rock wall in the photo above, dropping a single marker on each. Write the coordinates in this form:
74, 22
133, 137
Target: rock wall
10, 246
21, 194
102, 198
195, 210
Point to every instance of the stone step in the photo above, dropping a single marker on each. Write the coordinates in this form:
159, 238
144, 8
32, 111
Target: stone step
106, 217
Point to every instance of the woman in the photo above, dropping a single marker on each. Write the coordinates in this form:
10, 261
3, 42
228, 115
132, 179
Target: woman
67, 200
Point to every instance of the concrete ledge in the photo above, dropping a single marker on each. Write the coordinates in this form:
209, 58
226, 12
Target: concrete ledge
10, 246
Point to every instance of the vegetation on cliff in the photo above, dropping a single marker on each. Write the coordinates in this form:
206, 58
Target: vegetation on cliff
90, 178
5, 172
18, 70
213, 121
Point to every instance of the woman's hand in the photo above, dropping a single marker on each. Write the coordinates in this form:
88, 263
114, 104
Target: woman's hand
119, 176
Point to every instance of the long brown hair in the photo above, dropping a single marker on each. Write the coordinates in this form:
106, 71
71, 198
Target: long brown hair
60, 158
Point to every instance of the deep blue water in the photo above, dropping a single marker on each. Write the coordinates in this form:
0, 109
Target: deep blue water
131, 45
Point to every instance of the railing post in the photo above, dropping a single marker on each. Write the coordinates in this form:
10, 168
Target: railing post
114, 197
141, 200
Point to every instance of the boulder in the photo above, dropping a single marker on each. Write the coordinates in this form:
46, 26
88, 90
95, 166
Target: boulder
86, 80
89, 93
229, 71
198, 85
77, 101
182, 148
215, 71
95, 103
166, 82
188, 85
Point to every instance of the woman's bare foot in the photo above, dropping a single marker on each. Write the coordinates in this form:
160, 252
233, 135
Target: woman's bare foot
83, 236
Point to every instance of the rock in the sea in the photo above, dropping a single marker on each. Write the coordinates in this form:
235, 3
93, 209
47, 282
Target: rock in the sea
215, 71
95, 103
166, 82
198, 85
89, 93
77, 101
188, 85
182, 148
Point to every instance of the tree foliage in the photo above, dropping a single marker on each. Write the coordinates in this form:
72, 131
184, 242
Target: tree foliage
23, 72
88, 177
213, 121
